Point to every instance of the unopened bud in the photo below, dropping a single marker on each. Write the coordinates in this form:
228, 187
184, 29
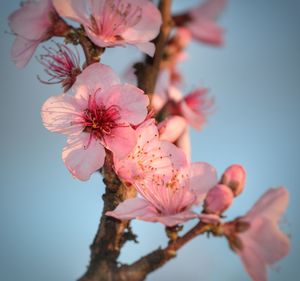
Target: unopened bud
218, 199
234, 177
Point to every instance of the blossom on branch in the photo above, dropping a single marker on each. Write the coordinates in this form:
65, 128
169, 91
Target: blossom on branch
99, 116
150, 157
115, 22
200, 21
169, 201
256, 237
32, 24
61, 64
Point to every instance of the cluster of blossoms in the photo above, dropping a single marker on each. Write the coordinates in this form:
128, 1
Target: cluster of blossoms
148, 142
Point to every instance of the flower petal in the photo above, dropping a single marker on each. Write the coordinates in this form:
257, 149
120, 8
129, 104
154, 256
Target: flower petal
132, 208
121, 141
146, 47
83, 156
62, 114
22, 51
172, 128
32, 20
171, 220
271, 204
203, 177
72, 9
131, 102
149, 25
95, 78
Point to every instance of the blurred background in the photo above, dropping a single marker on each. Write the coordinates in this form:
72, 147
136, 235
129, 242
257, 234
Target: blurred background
48, 219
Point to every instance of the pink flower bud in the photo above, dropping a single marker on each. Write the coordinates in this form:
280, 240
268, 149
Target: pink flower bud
235, 178
218, 199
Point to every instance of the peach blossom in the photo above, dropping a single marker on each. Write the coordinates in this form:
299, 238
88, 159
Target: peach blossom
99, 116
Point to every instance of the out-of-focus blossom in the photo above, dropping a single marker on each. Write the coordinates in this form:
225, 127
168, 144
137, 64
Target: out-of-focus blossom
32, 24
150, 157
235, 178
195, 106
61, 64
201, 21
115, 22
169, 202
218, 199
174, 129
174, 53
256, 237
97, 117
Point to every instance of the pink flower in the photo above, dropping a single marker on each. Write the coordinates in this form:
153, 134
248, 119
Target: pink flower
97, 117
218, 199
115, 22
195, 106
174, 129
256, 237
62, 65
150, 157
235, 178
201, 21
31, 23
169, 202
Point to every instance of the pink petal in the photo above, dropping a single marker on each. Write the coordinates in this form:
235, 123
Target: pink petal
32, 20
253, 263
96, 77
196, 120
146, 47
131, 102
121, 141
207, 31
83, 156
176, 154
132, 208
211, 9
22, 51
271, 204
171, 220
72, 9
61, 114
149, 25
210, 218
203, 177
270, 242
160, 96
172, 128
184, 143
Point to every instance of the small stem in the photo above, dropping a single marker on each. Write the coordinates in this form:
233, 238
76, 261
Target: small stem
147, 264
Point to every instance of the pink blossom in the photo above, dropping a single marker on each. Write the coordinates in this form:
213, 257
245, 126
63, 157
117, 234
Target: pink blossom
150, 157
202, 22
31, 24
115, 22
195, 106
97, 117
174, 129
61, 64
256, 237
169, 202
235, 178
218, 199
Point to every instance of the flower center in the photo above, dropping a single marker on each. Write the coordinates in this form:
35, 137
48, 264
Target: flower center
115, 17
100, 121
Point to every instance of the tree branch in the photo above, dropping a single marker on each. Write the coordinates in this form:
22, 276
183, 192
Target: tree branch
147, 264
147, 72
